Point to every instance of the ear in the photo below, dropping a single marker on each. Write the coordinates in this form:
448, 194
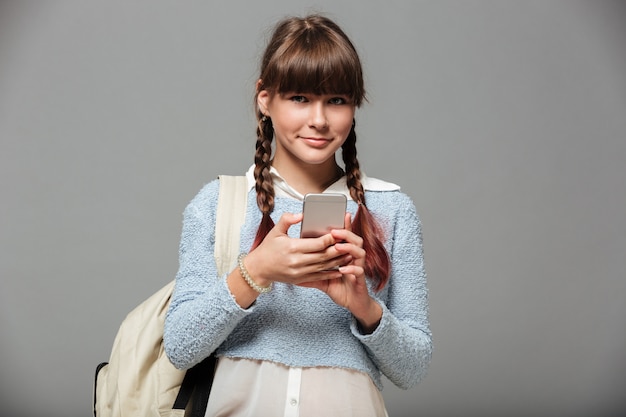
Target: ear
262, 98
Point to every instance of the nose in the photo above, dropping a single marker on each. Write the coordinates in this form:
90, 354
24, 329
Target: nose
317, 115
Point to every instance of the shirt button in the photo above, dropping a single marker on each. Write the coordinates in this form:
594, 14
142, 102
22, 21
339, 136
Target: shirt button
293, 402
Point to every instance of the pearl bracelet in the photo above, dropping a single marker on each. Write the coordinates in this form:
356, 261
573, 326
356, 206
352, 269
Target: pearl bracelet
244, 273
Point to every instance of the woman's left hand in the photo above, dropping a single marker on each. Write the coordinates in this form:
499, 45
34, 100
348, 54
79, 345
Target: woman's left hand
350, 291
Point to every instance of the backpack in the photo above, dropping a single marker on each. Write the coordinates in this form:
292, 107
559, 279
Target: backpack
139, 380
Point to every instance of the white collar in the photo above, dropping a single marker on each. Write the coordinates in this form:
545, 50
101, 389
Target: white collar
282, 189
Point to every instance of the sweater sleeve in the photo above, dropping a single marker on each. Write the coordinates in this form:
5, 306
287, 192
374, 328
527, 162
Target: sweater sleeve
202, 311
401, 345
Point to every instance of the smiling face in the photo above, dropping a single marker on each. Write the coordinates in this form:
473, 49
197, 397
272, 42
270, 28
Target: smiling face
309, 86
308, 128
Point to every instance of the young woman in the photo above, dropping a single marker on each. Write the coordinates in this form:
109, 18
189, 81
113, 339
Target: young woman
305, 327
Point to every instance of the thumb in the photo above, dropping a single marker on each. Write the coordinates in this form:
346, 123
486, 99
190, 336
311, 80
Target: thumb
286, 221
348, 222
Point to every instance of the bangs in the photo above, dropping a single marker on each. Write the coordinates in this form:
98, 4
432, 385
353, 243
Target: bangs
315, 63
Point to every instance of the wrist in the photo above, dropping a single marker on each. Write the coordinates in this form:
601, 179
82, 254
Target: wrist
258, 284
254, 265
369, 320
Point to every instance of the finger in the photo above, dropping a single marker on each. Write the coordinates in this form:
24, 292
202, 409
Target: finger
335, 263
317, 244
320, 269
343, 235
348, 222
286, 221
352, 269
318, 279
356, 252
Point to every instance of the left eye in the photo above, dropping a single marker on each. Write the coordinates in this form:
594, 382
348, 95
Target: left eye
337, 100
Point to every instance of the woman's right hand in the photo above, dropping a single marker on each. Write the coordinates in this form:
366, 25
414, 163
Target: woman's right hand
284, 259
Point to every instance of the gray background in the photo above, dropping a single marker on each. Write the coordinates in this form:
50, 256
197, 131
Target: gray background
505, 121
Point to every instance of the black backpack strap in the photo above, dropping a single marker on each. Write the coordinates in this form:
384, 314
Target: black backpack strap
200, 397
95, 385
196, 387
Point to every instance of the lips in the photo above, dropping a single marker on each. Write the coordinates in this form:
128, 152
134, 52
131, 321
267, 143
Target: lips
316, 142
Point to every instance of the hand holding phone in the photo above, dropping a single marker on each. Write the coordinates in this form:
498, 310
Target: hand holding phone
322, 213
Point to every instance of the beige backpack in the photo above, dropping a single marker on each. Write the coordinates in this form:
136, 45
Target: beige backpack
139, 380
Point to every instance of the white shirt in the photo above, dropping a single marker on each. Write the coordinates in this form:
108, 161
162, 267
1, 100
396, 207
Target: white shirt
282, 189
254, 388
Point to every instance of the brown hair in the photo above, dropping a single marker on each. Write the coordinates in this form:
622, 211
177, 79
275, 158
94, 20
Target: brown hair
313, 55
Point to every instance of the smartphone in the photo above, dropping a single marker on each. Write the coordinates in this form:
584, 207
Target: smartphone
321, 213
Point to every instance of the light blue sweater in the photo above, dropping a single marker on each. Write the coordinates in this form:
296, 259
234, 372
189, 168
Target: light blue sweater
299, 326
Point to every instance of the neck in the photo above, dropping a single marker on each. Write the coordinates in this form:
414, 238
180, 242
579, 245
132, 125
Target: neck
310, 178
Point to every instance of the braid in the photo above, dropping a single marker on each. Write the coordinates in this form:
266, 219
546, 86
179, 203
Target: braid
377, 262
262, 161
353, 173
264, 184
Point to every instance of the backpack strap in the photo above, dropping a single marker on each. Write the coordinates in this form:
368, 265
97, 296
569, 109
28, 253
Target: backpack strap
231, 214
195, 388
